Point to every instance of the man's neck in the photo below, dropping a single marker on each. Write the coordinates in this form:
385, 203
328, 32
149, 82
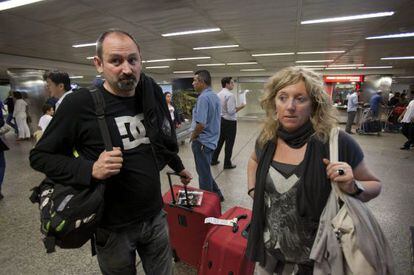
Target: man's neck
118, 93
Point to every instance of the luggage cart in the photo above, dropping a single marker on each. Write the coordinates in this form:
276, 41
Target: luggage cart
368, 125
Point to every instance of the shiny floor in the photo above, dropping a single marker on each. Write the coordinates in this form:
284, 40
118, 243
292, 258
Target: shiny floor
22, 252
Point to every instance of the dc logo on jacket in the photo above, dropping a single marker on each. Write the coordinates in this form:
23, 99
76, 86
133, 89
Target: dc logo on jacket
132, 131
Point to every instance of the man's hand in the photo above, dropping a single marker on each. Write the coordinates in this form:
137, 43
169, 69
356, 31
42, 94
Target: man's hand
108, 164
185, 176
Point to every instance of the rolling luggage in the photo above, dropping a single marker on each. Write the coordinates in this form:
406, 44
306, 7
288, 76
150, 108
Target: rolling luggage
186, 224
225, 246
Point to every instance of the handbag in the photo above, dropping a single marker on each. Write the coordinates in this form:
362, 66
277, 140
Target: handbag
349, 240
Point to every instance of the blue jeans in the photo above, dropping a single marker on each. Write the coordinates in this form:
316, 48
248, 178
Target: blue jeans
202, 157
2, 167
116, 250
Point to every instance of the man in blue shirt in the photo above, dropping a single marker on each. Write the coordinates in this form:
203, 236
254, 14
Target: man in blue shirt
206, 130
374, 104
352, 110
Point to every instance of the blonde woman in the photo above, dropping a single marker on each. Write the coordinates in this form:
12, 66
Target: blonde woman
289, 172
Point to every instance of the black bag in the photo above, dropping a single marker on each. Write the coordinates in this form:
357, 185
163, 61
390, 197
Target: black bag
69, 214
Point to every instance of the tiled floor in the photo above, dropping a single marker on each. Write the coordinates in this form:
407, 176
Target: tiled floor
22, 252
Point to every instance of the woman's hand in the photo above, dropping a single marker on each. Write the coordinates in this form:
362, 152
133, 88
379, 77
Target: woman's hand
341, 173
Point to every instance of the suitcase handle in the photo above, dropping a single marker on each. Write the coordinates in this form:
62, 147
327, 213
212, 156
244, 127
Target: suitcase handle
235, 225
245, 232
174, 202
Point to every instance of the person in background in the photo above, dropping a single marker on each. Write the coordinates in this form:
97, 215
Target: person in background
228, 128
205, 127
173, 112
375, 103
3, 147
289, 172
352, 110
47, 116
403, 100
20, 116
58, 84
394, 100
9, 102
407, 120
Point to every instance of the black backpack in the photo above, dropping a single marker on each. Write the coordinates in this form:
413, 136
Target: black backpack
70, 214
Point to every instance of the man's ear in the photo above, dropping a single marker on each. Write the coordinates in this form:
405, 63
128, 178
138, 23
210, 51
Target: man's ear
98, 64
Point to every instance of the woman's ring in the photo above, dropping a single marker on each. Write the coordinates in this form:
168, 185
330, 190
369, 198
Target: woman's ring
341, 171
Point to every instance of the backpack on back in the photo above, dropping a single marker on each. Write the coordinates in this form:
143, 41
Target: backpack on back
70, 214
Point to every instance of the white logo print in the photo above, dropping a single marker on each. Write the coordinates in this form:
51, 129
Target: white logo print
132, 131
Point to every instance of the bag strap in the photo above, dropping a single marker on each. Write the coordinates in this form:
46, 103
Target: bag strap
99, 102
334, 157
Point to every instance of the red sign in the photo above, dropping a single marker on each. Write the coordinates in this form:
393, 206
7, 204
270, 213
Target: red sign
343, 78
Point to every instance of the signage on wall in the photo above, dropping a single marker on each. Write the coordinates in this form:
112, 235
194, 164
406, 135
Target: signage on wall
343, 78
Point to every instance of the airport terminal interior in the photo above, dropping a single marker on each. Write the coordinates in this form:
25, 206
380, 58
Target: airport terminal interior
365, 46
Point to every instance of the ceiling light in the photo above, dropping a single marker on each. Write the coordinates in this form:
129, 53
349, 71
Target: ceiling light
320, 52
182, 72
397, 58
215, 47
160, 60
194, 58
98, 75
157, 67
76, 76
271, 54
211, 64
340, 68
376, 67
314, 61
311, 66
347, 18
191, 32
241, 63
6, 5
90, 57
410, 76
346, 65
251, 70
397, 35
84, 45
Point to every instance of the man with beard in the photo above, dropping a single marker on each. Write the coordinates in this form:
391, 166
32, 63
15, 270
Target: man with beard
144, 141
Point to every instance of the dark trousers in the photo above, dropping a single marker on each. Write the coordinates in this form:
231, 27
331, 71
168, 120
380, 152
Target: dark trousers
350, 121
228, 131
408, 132
117, 250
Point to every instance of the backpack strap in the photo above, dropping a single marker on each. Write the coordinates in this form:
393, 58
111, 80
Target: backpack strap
100, 113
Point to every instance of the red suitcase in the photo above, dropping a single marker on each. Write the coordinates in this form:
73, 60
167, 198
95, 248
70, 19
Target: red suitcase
186, 225
224, 250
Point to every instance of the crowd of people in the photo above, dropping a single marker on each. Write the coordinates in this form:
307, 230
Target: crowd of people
288, 173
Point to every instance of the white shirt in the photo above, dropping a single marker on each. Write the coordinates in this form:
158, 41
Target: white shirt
61, 99
171, 109
352, 102
44, 121
20, 108
409, 113
228, 104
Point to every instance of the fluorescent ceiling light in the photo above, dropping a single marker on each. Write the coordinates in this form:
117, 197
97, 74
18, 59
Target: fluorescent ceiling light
211, 64
215, 47
314, 61
90, 57
397, 35
191, 32
241, 63
6, 5
397, 58
251, 70
98, 75
311, 66
340, 68
408, 76
157, 67
76, 76
194, 58
346, 65
182, 72
84, 45
376, 67
347, 18
271, 54
320, 52
160, 60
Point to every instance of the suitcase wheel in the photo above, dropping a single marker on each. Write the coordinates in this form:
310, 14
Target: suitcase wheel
175, 256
